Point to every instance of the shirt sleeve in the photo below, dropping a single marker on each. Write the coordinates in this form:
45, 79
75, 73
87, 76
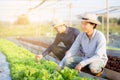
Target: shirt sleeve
54, 44
100, 51
73, 50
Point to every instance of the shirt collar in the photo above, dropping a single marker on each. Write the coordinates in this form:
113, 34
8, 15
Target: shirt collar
92, 34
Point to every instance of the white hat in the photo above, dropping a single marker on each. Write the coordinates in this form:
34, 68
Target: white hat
90, 17
58, 22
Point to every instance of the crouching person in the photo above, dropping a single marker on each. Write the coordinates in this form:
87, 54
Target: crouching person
91, 43
66, 35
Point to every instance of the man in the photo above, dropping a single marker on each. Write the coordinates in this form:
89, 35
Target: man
66, 35
91, 43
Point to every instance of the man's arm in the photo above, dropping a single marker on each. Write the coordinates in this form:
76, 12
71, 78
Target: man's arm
54, 44
73, 50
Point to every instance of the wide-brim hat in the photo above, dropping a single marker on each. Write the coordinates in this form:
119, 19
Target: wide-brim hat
90, 17
58, 22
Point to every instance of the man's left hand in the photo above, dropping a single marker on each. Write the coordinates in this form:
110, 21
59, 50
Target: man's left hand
78, 67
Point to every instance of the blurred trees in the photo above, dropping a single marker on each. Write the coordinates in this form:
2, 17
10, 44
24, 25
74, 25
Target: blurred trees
118, 21
22, 20
100, 18
113, 21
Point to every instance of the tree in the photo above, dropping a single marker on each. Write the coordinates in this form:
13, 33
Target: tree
22, 20
100, 18
118, 21
113, 20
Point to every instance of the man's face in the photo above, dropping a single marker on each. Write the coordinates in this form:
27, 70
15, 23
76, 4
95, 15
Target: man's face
86, 26
60, 29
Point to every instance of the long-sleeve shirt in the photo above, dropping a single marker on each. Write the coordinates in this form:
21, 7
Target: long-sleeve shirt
67, 38
94, 49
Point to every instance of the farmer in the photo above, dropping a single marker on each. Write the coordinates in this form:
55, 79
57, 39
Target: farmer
66, 35
91, 43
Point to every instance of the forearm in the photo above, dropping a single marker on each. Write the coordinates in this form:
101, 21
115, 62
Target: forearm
46, 52
61, 64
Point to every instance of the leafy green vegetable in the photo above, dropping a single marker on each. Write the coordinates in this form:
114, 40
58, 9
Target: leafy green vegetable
23, 65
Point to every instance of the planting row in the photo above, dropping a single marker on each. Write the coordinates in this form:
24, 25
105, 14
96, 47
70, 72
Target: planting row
23, 65
113, 63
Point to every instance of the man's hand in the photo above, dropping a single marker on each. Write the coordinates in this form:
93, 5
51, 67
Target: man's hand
78, 67
38, 58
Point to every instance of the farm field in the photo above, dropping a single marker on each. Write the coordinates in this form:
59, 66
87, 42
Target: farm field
23, 65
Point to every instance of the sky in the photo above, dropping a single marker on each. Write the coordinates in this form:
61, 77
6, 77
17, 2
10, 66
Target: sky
11, 9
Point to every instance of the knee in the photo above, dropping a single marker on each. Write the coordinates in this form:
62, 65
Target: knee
68, 61
95, 68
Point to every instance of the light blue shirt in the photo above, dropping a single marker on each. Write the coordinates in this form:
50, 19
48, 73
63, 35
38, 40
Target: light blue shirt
94, 48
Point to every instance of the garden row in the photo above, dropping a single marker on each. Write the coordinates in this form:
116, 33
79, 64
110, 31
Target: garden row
23, 65
113, 63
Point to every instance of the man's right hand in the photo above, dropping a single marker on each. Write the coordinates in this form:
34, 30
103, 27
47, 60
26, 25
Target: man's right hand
38, 57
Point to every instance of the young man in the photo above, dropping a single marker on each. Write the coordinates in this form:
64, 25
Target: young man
66, 35
91, 43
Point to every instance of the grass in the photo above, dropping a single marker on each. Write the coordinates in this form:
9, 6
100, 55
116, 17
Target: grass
110, 48
40, 30
25, 30
114, 29
37, 29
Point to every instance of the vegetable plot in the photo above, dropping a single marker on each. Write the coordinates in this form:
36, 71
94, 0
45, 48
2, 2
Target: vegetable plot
113, 63
23, 66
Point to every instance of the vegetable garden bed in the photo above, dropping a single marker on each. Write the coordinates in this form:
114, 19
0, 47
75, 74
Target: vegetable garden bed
23, 65
112, 70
